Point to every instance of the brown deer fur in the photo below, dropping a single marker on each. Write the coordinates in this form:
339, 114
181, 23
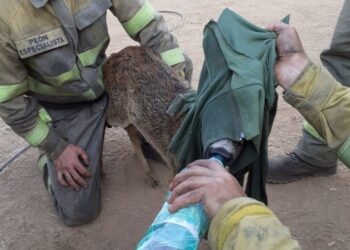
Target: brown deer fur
141, 88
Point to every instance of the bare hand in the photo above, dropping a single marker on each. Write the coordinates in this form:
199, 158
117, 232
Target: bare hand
291, 57
70, 170
204, 181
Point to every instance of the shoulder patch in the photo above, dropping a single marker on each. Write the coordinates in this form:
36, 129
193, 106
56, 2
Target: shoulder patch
41, 43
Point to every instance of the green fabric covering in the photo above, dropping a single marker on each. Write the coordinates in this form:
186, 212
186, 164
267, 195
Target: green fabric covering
236, 99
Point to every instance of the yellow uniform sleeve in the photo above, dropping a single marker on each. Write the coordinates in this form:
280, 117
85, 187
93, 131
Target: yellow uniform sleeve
245, 223
20, 112
145, 25
325, 104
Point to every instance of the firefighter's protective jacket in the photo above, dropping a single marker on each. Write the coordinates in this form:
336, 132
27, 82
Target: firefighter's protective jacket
325, 104
53, 51
245, 223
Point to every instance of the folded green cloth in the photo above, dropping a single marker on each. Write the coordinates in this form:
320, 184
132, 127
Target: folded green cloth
236, 99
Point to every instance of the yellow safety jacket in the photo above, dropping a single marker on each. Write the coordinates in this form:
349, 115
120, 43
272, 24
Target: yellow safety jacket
245, 223
53, 51
325, 104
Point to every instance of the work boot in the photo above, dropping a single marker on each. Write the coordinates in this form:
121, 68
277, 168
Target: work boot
289, 168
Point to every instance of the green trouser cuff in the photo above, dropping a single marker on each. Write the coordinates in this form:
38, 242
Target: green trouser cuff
53, 145
343, 153
312, 131
314, 151
43, 168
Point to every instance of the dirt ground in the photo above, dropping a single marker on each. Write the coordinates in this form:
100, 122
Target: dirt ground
317, 210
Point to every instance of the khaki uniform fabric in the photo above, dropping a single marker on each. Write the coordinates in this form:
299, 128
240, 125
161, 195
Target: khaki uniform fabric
51, 83
325, 104
55, 54
244, 223
337, 60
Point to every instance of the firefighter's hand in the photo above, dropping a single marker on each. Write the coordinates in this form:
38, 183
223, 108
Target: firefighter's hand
291, 57
70, 168
204, 181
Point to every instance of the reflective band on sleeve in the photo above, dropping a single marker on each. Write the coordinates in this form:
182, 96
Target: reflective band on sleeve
173, 56
68, 76
235, 218
343, 153
89, 57
100, 76
44, 115
38, 133
42, 160
310, 129
143, 17
7, 92
44, 89
89, 95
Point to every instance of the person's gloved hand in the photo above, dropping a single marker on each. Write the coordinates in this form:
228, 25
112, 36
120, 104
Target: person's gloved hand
204, 181
184, 70
291, 57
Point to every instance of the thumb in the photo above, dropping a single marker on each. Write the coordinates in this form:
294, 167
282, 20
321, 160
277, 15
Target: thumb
277, 27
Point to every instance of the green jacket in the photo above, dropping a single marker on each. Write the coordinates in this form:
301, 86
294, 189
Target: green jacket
236, 99
53, 51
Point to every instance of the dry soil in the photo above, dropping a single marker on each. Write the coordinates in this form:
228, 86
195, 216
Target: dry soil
317, 210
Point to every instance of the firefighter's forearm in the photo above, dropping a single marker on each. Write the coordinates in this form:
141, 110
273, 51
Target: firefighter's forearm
31, 122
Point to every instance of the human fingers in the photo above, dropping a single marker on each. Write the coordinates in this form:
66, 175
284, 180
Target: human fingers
83, 155
71, 181
188, 185
61, 179
188, 173
186, 199
77, 178
81, 169
206, 163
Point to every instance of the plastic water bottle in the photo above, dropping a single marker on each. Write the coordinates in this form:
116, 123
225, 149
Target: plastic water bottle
183, 229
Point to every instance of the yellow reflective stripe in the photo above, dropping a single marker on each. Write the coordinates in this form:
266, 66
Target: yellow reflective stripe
100, 75
8, 91
44, 115
142, 17
89, 95
173, 56
47, 90
343, 152
38, 133
42, 160
235, 218
59, 80
310, 129
89, 57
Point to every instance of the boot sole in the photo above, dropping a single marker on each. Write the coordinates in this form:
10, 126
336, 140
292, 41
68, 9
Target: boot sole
326, 172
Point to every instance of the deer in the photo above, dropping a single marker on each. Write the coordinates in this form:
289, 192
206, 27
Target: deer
141, 87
